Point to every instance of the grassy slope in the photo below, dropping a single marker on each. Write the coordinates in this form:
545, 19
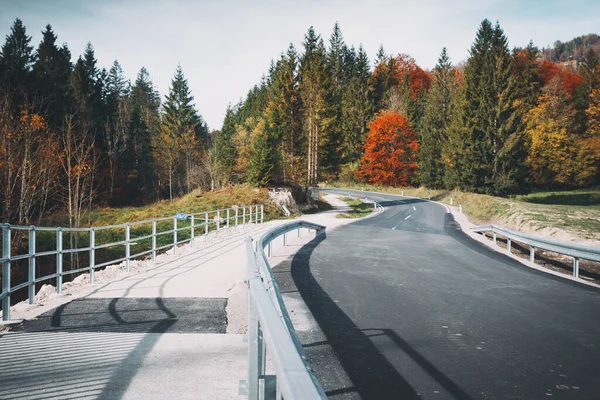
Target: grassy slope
191, 203
569, 215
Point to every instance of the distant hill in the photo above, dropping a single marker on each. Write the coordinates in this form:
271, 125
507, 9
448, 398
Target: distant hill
573, 50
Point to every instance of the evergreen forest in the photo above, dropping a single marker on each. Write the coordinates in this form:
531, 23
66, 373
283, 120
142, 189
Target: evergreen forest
75, 135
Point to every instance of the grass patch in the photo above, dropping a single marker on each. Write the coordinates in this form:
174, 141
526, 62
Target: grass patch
358, 209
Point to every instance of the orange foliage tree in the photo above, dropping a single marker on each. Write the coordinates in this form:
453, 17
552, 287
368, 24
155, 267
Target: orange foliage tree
391, 148
568, 78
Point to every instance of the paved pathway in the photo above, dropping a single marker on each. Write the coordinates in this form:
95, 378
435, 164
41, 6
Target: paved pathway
174, 330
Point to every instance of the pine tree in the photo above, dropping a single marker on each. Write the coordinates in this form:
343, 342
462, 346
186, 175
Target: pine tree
51, 73
180, 121
16, 60
384, 77
433, 131
494, 160
286, 113
225, 151
139, 165
357, 106
116, 122
263, 160
333, 85
312, 90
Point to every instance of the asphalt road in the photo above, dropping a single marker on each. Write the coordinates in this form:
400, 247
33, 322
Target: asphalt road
412, 308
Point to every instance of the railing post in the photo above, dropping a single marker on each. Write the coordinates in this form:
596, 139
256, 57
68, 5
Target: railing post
92, 254
460, 208
236, 217
508, 244
576, 267
6, 231
254, 344
192, 231
531, 254
244, 215
262, 213
218, 220
31, 287
127, 246
205, 226
154, 241
228, 218
174, 236
59, 260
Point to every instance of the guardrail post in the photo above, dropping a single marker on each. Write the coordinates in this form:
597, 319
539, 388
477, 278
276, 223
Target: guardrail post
576, 267
262, 213
174, 236
508, 244
460, 208
127, 246
284, 239
6, 272
255, 342
450, 200
92, 254
59, 260
228, 219
531, 254
218, 220
269, 250
236, 217
154, 241
494, 237
192, 231
205, 226
31, 287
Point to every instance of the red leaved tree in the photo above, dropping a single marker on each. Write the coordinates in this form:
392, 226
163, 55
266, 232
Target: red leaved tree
391, 148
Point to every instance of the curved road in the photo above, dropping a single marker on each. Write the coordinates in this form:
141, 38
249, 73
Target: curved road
413, 308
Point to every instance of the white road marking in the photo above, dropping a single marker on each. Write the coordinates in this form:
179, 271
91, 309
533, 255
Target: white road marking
407, 217
414, 208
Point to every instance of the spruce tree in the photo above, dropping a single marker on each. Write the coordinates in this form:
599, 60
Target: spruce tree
140, 167
51, 73
334, 83
224, 150
357, 106
433, 132
313, 84
16, 60
181, 122
494, 161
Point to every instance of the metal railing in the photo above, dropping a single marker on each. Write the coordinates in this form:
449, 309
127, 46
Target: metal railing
575, 251
158, 234
270, 326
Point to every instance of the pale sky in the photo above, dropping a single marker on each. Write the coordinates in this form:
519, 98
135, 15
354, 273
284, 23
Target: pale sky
225, 47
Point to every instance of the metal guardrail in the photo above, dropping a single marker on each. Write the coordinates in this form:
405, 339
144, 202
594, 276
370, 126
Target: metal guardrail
270, 326
576, 251
209, 222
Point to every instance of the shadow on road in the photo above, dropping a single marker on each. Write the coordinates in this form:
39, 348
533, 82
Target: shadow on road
372, 375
